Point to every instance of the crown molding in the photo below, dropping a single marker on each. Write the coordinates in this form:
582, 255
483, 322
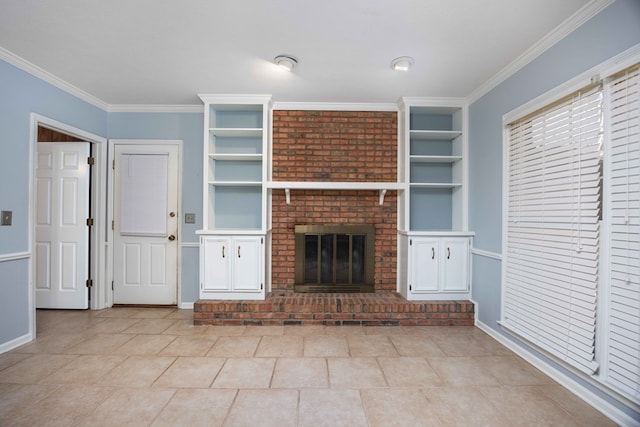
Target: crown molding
38, 72
564, 29
153, 108
335, 106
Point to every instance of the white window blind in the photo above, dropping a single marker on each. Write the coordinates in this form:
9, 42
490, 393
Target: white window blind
623, 346
552, 241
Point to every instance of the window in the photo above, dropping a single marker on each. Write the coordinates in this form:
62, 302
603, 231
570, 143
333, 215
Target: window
572, 230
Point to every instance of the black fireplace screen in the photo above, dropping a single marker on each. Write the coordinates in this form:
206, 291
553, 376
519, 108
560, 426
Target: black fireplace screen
334, 258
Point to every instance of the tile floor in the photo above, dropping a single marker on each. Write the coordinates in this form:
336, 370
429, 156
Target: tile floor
151, 366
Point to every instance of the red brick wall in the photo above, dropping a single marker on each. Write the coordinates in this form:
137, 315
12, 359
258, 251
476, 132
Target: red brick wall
334, 146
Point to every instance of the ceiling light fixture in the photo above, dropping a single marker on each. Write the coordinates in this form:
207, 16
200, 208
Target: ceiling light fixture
402, 64
285, 61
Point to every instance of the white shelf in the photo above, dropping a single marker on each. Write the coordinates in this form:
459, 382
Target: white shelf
236, 132
434, 159
236, 157
235, 183
382, 187
435, 185
448, 135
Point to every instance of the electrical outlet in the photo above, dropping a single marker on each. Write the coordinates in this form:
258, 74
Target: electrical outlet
6, 217
189, 218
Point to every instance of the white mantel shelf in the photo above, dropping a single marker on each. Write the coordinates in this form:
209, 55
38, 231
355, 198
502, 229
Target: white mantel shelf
382, 187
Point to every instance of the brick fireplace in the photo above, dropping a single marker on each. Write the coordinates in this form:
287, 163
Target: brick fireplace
334, 146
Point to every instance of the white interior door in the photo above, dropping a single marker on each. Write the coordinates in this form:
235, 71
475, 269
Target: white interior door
62, 234
145, 224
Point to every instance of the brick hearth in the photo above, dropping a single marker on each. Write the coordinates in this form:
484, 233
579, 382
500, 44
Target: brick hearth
289, 308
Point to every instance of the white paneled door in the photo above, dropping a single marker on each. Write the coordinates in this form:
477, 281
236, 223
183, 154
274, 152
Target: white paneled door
62, 234
145, 224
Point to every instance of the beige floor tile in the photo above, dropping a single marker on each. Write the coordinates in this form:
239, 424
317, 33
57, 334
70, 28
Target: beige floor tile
190, 372
16, 397
307, 372
234, 347
99, 344
144, 345
277, 408
511, 370
528, 406
462, 371
581, 411
355, 372
304, 330
412, 345
326, 346
383, 330
185, 327
263, 330
181, 313
331, 408
409, 372
344, 331
85, 369
464, 406
68, 405
137, 371
400, 407
119, 312
196, 407
460, 345
153, 313
112, 325
130, 407
150, 326
225, 331
371, 346
280, 346
35, 368
189, 346
52, 343
245, 373
10, 359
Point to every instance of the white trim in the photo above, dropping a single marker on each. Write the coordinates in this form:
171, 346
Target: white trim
186, 305
606, 68
588, 396
16, 342
46, 76
152, 108
564, 29
335, 106
15, 256
420, 101
486, 254
190, 245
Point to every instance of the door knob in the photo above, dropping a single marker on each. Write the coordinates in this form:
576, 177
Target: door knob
172, 214
172, 237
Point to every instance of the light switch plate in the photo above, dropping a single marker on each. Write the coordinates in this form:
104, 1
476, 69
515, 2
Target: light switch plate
6, 217
189, 218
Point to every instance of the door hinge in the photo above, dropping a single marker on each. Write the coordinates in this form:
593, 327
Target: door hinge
89, 283
410, 288
112, 285
262, 240
113, 164
261, 286
201, 286
89, 222
91, 161
410, 242
113, 225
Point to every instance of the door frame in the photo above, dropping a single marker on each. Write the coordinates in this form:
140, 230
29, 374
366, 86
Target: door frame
111, 144
98, 210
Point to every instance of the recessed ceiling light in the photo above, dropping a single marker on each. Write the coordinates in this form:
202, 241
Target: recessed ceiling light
285, 61
402, 64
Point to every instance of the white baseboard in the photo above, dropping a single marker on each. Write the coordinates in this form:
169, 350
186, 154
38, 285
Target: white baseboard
186, 306
615, 414
16, 342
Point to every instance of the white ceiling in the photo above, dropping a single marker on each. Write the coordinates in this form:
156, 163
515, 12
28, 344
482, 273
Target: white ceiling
165, 52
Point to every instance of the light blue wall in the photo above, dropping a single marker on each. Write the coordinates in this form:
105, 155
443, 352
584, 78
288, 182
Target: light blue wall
20, 95
187, 127
609, 33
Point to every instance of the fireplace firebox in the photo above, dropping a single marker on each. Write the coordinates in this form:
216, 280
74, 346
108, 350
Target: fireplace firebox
334, 258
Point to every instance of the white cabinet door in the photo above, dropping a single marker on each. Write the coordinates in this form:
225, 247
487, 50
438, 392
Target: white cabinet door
247, 264
455, 262
423, 274
215, 265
